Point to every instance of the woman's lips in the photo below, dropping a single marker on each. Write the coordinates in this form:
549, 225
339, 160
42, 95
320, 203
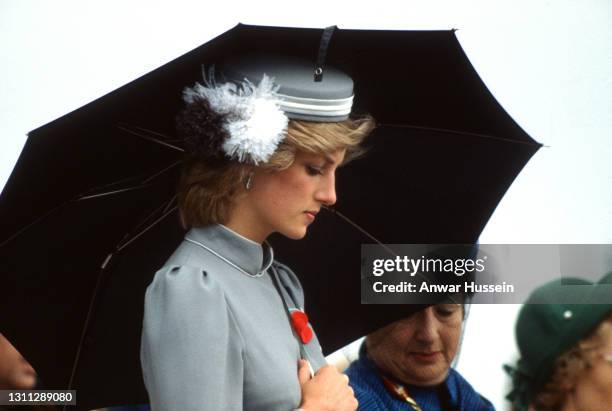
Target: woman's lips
430, 357
311, 214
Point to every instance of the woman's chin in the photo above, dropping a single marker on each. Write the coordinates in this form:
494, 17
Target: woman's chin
295, 234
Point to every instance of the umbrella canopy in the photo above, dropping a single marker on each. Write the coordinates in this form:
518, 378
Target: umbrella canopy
89, 212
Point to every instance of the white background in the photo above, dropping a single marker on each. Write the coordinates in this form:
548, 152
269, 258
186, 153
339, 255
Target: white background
548, 63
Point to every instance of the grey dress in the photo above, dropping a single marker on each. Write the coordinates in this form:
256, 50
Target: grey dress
217, 338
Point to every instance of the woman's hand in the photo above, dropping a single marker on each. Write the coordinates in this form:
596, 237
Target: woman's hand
328, 390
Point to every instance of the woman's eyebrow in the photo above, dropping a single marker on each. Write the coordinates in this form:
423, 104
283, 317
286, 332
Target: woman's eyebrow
329, 159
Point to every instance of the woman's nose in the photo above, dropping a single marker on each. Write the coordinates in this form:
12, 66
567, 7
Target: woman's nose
326, 193
427, 327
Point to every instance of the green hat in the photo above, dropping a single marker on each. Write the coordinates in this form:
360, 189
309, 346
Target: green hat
554, 318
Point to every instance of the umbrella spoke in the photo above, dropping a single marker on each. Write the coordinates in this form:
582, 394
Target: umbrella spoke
359, 228
130, 239
90, 309
57, 208
162, 171
141, 134
91, 193
370, 236
461, 133
107, 193
164, 137
103, 266
109, 186
165, 206
33, 223
169, 205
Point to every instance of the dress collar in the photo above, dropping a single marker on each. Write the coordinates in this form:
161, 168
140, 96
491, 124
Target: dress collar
248, 256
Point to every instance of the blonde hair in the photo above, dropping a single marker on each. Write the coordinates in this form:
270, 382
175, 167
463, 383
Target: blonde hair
569, 367
207, 189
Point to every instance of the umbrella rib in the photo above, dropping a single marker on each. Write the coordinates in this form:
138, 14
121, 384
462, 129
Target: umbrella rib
153, 224
124, 180
146, 130
53, 210
143, 184
161, 172
362, 230
109, 185
123, 190
164, 206
169, 204
463, 133
87, 320
38, 220
95, 293
155, 140
359, 228
82, 197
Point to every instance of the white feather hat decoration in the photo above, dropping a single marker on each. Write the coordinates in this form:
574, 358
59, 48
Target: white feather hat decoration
255, 123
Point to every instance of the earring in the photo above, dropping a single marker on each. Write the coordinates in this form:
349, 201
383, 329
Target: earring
249, 184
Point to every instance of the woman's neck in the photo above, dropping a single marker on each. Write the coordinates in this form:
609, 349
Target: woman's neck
246, 230
244, 223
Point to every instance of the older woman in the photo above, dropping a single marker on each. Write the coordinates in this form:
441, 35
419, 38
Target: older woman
564, 335
407, 365
224, 325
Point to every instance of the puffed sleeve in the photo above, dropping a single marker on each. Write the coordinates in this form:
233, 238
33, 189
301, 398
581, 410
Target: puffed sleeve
191, 348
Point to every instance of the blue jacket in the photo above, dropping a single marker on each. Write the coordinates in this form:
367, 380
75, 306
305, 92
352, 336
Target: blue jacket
454, 394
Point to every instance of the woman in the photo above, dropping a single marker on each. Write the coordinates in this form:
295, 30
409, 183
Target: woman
566, 348
224, 325
407, 365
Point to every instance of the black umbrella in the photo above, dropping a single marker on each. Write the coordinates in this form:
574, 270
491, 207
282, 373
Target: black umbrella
88, 214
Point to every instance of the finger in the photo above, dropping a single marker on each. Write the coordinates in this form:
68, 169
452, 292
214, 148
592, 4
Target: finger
328, 369
303, 371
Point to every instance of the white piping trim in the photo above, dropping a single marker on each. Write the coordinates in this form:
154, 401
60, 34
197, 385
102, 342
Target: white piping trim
257, 275
318, 113
313, 107
316, 101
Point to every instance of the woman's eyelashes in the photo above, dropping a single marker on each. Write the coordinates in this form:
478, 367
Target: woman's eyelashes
314, 170
446, 311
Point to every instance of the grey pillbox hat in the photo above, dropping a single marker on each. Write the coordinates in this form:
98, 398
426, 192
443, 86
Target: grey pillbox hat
301, 96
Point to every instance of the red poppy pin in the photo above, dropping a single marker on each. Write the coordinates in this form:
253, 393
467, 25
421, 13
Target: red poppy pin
299, 321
